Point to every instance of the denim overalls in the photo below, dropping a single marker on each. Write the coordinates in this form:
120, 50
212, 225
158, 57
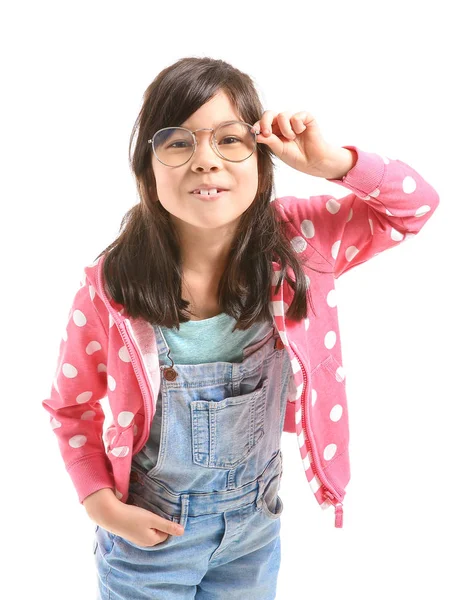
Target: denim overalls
217, 474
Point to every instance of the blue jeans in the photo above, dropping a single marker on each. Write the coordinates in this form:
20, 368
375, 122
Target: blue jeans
217, 473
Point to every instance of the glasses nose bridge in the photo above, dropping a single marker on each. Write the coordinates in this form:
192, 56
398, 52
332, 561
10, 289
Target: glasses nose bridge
202, 129
211, 137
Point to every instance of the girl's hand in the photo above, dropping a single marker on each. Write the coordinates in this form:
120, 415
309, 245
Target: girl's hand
137, 525
296, 140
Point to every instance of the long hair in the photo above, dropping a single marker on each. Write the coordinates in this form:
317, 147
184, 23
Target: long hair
142, 267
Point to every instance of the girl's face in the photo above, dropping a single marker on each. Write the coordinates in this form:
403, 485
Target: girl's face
206, 166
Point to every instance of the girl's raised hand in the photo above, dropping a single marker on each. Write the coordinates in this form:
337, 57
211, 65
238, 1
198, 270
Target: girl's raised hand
295, 139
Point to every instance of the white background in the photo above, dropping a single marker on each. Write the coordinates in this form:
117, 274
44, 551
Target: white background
384, 76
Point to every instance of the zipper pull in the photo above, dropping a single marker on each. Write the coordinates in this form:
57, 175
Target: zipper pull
338, 510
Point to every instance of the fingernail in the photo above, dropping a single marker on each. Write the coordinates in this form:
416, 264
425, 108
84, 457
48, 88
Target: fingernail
179, 529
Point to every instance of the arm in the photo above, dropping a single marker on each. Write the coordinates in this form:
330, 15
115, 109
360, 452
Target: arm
76, 415
390, 201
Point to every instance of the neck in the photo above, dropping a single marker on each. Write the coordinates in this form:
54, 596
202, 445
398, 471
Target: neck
203, 251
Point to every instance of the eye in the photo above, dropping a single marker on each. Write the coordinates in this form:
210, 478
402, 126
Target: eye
230, 137
175, 144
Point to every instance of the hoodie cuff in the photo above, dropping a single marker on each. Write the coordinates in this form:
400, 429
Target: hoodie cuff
367, 173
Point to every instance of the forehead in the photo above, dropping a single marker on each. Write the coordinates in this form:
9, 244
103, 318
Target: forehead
215, 111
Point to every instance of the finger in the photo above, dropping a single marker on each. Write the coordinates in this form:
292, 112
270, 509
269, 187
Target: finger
169, 527
285, 125
264, 125
297, 122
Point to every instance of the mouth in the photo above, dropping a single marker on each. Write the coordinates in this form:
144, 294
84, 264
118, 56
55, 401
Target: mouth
206, 195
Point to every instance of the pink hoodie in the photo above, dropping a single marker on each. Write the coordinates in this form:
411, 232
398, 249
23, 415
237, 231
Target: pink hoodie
107, 354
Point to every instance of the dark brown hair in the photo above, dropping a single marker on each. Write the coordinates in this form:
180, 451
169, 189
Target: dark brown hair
142, 267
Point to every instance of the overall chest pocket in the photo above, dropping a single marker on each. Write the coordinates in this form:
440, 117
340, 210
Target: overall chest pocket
225, 432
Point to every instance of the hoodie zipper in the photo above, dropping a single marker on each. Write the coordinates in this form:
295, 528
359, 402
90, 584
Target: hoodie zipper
329, 492
130, 343
136, 360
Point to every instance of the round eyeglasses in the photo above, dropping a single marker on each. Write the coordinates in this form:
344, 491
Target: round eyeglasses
174, 146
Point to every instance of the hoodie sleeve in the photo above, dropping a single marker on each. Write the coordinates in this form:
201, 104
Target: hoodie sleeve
389, 203
76, 415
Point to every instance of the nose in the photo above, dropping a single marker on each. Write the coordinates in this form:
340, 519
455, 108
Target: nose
205, 155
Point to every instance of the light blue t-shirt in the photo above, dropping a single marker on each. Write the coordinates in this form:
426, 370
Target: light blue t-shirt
208, 340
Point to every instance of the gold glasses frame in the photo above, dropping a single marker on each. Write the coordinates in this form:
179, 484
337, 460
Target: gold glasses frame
212, 136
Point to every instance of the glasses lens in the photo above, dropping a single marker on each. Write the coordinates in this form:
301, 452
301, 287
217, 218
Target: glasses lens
174, 146
235, 141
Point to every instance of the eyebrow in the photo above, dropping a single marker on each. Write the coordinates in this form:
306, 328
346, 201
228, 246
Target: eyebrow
214, 125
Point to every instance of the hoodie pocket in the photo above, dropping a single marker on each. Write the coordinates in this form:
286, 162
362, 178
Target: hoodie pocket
327, 408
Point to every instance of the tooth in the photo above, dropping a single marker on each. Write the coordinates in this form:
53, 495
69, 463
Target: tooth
208, 192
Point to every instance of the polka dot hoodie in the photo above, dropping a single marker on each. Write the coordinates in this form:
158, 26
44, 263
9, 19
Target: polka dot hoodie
108, 357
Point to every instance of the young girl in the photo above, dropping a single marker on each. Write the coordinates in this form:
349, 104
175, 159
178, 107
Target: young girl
210, 326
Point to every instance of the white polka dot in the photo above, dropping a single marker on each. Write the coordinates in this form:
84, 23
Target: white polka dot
409, 185
335, 249
340, 374
101, 368
422, 210
330, 339
298, 416
88, 415
84, 397
396, 235
124, 418
111, 320
69, 371
331, 298
299, 244
374, 193
77, 441
333, 206
388, 212
111, 383
307, 228
314, 396
91, 291
385, 158
124, 354
351, 252
65, 335
55, 423
336, 412
120, 451
79, 318
93, 347
329, 451
307, 278
306, 323
351, 214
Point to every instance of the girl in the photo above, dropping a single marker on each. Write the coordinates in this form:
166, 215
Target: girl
210, 324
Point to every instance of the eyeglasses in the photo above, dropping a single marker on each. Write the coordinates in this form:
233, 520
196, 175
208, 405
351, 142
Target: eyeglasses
174, 146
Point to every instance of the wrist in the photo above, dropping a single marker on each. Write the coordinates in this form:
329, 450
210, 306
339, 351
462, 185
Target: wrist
100, 504
338, 163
